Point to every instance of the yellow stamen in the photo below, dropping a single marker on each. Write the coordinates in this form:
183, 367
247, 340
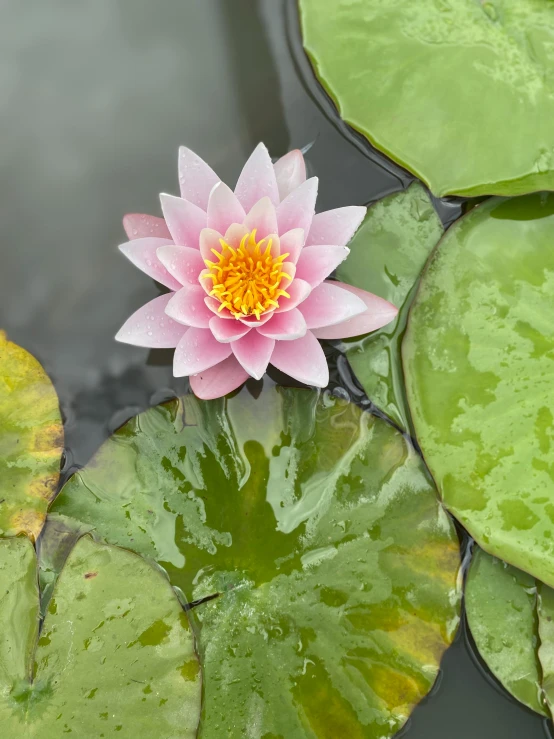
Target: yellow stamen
247, 280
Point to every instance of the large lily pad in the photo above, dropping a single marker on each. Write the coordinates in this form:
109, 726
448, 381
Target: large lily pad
460, 93
501, 606
387, 256
115, 655
316, 527
31, 441
479, 361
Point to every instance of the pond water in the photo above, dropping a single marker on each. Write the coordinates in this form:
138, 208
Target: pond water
95, 98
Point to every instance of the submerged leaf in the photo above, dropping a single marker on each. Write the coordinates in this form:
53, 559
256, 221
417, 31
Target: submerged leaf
115, 653
317, 528
478, 358
460, 93
31, 441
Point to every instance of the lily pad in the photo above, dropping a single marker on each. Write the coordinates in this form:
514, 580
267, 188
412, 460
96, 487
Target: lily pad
312, 529
460, 93
387, 255
479, 361
501, 607
31, 441
115, 653
546, 650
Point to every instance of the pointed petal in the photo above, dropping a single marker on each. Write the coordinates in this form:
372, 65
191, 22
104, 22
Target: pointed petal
234, 234
142, 253
253, 322
328, 304
336, 226
214, 305
187, 306
317, 262
209, 239
378, 313
196, 178
290, 172
297, 209
218, 380
253, 352
184, 220
302, 359
298, 291
141, 226
151, 327
285, 326
224, 208
257, 179
227, 331
182, 263
289, 268
263, 218
292, 243
197, 351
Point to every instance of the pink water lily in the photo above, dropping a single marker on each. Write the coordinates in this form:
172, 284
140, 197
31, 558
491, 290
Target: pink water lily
247, 275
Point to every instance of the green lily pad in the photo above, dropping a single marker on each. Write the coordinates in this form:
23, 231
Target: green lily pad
313, 527
478, 355
31, 441
387, 255
545, 608
115, 653
501, 607
460, 93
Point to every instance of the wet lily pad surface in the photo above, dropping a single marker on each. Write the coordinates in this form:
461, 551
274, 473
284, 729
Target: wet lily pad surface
501, 607
31, 441
115, 654
460, 93
386, 258
312, 528
479, 361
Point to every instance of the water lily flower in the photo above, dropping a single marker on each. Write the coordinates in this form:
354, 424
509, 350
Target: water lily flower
247, 275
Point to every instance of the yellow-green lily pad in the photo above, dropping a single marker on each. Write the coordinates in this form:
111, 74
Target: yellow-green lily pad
311, 528
31, 441
115, 654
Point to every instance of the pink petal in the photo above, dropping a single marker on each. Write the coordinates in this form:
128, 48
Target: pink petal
151, 327
292, 243
253, 322
218, 380
182, 262
298, 291
302, 359
379, 312
328, 304
227, 331
214, 305
289, 268
209, 239
257, 179
184, 220
317, 262
142, 253
224, 208
197, 351
336, 226
263, 218
297, 209
187, 306
253, 352
285, 326
196, 178
140, 226
234, 235
290, 172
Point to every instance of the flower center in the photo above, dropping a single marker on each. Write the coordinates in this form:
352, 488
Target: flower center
247, 280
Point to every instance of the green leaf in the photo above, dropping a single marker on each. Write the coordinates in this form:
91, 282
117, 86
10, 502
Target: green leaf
460, 93
386, 258
545, 607
478, 357
115, 653
31, 441
501, 603
315, 526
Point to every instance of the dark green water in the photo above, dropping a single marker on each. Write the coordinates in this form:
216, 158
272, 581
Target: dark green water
95, 98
